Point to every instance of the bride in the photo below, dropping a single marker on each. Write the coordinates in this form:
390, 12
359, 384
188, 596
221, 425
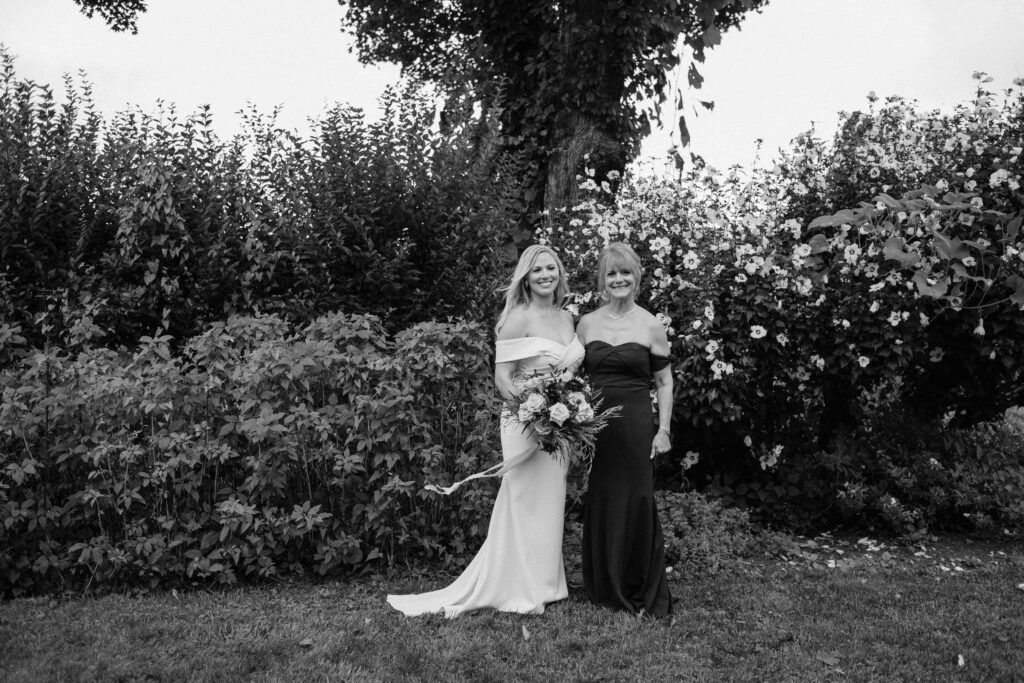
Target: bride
519, 567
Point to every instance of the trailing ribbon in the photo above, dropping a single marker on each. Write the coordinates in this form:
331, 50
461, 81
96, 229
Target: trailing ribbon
498, 470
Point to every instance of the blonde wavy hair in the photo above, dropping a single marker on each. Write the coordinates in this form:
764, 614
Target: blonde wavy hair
517, 292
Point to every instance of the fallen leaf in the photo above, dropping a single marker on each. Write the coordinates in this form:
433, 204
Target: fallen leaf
828, 658
526, 633
960, 660
308, 642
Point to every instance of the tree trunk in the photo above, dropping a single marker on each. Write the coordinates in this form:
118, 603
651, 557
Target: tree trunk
585, 146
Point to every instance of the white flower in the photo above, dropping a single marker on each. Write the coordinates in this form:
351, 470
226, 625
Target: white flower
709, 311
665, 321
782, 339
772, 458
924, 320
585, 413
690, 459
747, 441
874, 307
691, 260
976, 202
559, 413
803, 250
697, 324
877, 286
894, 318
942, 186
863, 361
757, 332
740, 278
525, 414
845, 323
534, 403
998, 177
980, 329
712, 346
851, 253
576, 399
818, 361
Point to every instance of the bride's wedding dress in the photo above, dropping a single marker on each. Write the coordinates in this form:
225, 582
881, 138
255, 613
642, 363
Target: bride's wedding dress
519, 567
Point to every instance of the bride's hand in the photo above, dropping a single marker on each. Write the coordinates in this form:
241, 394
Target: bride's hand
661, 443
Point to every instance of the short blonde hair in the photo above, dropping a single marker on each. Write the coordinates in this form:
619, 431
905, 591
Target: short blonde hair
618, 256
517, 292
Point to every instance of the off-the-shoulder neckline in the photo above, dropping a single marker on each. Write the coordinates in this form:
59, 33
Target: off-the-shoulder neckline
553, 341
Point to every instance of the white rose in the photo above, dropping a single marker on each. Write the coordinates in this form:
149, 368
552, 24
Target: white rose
559, 413
585, 413
535, 403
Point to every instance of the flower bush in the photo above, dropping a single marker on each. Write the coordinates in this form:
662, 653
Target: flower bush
260, 449
881, 272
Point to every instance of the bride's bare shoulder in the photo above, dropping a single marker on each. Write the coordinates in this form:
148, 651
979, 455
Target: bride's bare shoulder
516, 324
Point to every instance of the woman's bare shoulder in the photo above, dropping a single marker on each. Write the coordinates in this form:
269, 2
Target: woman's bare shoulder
656, 333
516, 324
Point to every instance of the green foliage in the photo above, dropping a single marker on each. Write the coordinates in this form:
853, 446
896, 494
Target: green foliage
702, 535
568, 78
120, 15
112, 230
795, 317
256, 451
907, 477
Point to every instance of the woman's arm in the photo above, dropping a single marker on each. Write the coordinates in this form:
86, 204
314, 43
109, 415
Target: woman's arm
663, 389
503, 373
514, 327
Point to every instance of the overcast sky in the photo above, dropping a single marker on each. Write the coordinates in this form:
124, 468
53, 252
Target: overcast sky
798, 62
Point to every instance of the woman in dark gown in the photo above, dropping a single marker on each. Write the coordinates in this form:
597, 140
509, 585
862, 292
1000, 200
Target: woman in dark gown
626, 353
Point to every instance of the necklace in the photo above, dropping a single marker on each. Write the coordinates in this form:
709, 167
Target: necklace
621, 315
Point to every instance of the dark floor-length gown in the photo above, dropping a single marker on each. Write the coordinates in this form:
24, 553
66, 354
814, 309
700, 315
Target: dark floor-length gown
623, 546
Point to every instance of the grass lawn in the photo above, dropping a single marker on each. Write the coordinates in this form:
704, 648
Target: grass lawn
830, 609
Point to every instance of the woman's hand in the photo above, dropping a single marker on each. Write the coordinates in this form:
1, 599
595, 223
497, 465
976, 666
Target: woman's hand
661, 443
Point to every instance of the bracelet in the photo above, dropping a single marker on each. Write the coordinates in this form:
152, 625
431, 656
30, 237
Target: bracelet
662, 429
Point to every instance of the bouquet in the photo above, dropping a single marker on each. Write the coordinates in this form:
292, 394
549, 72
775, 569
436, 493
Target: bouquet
563, 411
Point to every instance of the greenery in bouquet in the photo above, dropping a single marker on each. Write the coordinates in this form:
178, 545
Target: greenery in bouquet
563, 410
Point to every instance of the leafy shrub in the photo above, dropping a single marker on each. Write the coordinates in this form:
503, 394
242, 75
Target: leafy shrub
903, 476
260, 449
702, 535
110, 230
